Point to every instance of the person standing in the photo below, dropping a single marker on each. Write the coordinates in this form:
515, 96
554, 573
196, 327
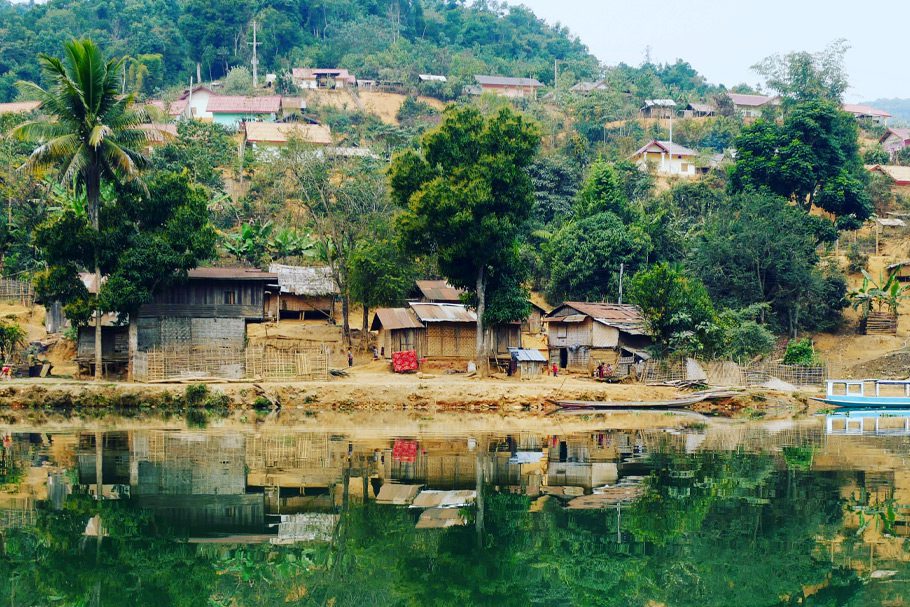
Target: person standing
350, 358
555, 370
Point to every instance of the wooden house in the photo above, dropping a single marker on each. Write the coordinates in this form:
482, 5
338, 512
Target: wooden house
398, 330
698, 110
513, 88
210, 308
534, 322
899, 175
323, 78
581, 335
901, 270
114, 346
666, 158
438, 291
658, 108
450, 330
304, 293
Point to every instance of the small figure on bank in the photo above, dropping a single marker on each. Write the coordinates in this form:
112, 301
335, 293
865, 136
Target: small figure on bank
350, 358
600, 371
555, 370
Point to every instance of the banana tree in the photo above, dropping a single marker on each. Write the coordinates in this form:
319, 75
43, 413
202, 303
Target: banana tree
881, 294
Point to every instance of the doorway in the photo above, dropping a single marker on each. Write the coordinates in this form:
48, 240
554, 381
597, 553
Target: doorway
563, 358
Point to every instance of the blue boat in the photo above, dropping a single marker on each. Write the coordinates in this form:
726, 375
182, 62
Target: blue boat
868, 393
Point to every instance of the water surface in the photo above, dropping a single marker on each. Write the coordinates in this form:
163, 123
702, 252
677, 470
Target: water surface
574, 513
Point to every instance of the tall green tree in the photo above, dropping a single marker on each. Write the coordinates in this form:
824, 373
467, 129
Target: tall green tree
381, 275
802, 76
90, 133
812, 159
466, 196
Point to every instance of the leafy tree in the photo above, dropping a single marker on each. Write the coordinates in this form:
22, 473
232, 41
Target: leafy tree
466, 196
201, 149
381, 275
90, 134
876, 155
678, 310
238, 81
812, 159
802, 76
761, 250
602, 192
556, 181
744, 338
800, 352
584, 257
12, 337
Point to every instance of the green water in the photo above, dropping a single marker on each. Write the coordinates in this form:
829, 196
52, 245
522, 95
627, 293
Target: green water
716, 515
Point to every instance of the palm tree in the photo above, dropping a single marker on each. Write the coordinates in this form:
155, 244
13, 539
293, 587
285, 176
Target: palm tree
89, 132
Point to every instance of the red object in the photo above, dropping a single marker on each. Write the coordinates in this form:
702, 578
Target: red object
404, 451
403, 362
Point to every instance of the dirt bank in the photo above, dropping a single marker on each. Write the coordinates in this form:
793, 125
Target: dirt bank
372, 388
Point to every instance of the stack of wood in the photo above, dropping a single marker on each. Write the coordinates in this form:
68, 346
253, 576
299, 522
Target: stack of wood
879, 323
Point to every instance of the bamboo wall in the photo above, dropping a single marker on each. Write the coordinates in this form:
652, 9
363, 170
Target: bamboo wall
231, 363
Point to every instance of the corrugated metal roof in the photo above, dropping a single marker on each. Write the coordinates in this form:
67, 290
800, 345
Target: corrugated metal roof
569, 318
507, 81
625, 317
902, 134
660, 103
230, 274
900, 174
304, 280
237, 104
524, 355
395, 318
439, 291
443, 312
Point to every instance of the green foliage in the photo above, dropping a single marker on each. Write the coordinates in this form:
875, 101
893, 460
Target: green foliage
256, 244
467, 196
677, 309
583, 257
876, 155
884, 293
12, 338
763, 250
556, 182
381, 275
200, 149
800, 352
744, 338
238, 81
812, 159
602, 192
856, 259
802, 76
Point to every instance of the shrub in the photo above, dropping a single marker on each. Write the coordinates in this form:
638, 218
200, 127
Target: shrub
747, 339
856, 259
800, 352
12, 337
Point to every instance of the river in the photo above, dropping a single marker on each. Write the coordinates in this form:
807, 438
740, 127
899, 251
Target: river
404, 509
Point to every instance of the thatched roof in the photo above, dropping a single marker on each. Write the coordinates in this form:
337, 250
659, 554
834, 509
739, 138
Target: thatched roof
304, 280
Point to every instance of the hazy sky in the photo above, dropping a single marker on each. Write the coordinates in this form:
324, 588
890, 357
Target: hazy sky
722, 38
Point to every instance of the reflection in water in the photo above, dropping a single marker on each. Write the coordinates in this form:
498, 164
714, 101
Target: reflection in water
729, 515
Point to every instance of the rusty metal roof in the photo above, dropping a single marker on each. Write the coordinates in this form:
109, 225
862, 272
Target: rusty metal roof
395, 318
439, 291
443, 312
230, 274
238, 104
625, 317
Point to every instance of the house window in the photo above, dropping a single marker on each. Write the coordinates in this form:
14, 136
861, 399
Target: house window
684, 167
562, 331
230, 298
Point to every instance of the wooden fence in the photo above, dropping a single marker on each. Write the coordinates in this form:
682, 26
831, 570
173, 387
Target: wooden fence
879, 323
231, 363
729, 373
17, 291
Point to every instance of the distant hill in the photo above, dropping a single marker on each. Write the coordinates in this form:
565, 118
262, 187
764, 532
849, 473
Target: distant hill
899, 108
390, 40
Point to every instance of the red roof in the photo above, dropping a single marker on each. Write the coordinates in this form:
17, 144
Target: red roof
230, 104
865, 110
902, 134
439, 291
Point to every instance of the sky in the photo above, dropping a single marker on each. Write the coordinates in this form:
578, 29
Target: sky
723, 38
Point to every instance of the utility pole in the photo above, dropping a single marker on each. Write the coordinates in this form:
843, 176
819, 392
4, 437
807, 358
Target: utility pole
255, 58
621, 269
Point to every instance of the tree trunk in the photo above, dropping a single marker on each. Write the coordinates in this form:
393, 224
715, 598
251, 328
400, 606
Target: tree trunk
99, 461
364, 342
483, 362
93, 199
345, 319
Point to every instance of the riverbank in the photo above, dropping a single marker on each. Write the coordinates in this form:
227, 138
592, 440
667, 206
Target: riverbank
373, 388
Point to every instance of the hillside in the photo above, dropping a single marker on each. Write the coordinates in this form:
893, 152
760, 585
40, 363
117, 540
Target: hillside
385, 40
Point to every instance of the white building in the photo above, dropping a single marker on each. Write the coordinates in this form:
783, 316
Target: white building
666, 158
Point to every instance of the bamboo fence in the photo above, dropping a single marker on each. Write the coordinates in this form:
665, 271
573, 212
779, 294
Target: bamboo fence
174, 363
17, 291
729, 373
